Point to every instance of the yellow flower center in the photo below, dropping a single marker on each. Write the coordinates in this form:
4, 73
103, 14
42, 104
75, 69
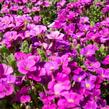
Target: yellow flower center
87, 85
79, 79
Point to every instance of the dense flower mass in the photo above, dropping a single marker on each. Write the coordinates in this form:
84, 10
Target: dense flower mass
54, 54
6, 80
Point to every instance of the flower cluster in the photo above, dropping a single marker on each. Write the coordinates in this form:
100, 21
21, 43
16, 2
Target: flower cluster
6, 80
54, 54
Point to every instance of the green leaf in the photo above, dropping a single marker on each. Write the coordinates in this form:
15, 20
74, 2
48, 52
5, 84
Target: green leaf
101, 53
20, 12
29, 5
42, 54
48, 14
39, 87
92, 23
16, 106
94, 13
11, 60
25, 47
3, 49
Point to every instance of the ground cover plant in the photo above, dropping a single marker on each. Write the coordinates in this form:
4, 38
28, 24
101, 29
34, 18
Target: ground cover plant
54, 54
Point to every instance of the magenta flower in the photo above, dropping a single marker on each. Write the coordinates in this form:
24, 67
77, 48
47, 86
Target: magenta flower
91, 105
27, 65
60, 103
22, 95
88, 84
10, 79
47, 3
84, 20
61, 3
86, 1
1, 1
6, 73
73, 76
89, 50
5, 89
48, 101
106, 60
106, 107
64, 60
72, 98
20, 56
105, 9
71, 15
49, 106
14, 8
62, 77
92, 64
83, 27
69, 29
61, 86
37, 30
21, 21
6, 21
104, 73
6, 80
55, 35
24, 1
5, 70
37, 19
51, 66
9, 37
25, 99
77, 70
79, 77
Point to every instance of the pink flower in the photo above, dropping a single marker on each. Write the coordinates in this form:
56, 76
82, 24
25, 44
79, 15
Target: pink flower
91, 105
88, 84
47, 3
72, 98
37, 19
106, 107
92, 64
25, 99
5, 89
26, 65
9, 37
61, 86
55, 35
51, 66
24, 1
5, 69
1, 1
37, 30
6, 80
106, 60
20, 56
89, 50
69, 29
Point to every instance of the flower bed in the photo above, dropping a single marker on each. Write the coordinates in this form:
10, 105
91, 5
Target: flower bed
54, 54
